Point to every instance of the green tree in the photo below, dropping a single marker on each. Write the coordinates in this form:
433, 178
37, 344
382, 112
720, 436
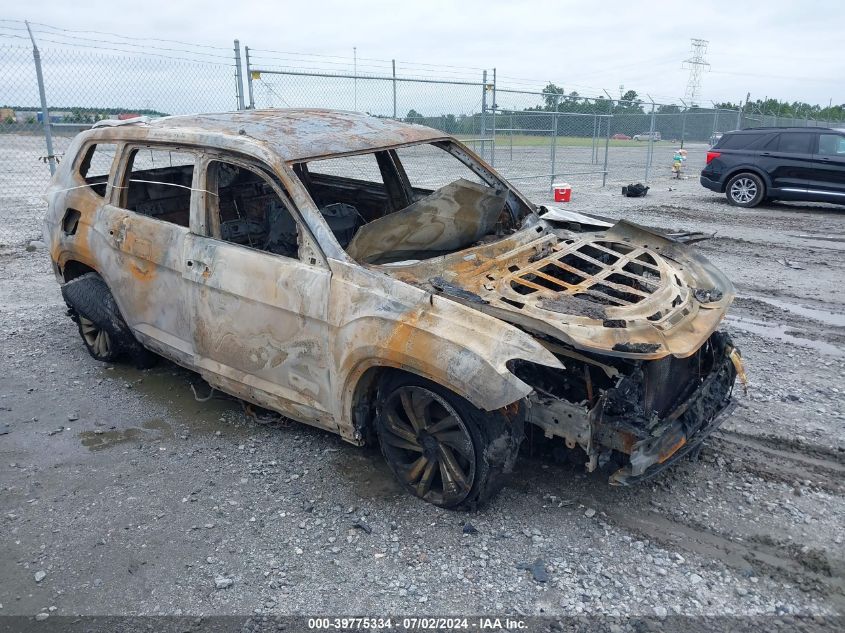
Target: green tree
551, 95
668, 109
630, 103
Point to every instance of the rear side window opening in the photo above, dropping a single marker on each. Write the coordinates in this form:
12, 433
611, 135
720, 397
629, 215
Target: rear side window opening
95, 166
157, 183
795, 142
410, 203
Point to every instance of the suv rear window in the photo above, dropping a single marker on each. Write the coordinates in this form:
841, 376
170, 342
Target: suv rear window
158, 184
742, 141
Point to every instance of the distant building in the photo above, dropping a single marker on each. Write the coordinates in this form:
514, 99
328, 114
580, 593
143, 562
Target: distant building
26, 116
7, 114
55, 117
127, 115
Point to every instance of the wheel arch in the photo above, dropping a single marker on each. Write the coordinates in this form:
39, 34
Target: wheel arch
73, 269
361, 393
364, 395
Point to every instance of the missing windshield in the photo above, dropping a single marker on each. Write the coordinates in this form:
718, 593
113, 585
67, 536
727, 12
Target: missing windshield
411, 203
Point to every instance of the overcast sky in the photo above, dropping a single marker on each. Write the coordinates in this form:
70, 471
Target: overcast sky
778, 48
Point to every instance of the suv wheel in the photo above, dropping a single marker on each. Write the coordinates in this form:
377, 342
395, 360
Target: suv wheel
440, 447
745, 190
102, 328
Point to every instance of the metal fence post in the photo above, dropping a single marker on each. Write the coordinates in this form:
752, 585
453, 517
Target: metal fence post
650, 152
394, 87
238, 76
493, 128
553, 149
45, 114
249, 79
606, 149
511, 134
483, 111
683, 123
715, 120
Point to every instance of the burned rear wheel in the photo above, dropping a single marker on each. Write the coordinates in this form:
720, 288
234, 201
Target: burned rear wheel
101, 326
441, 448
96, 339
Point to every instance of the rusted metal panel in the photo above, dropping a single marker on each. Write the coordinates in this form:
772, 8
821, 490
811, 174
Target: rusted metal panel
295, 135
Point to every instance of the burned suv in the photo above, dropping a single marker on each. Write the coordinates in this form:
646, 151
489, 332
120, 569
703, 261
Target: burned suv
379, 280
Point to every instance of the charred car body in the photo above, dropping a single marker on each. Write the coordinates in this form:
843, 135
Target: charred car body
379, 280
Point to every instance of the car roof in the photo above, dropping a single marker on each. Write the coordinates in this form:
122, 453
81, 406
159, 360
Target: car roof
791, 128
298, 134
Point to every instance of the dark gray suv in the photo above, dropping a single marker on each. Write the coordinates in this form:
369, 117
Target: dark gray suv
750, 166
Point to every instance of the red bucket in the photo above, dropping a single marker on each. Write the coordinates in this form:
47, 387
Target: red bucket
562, 191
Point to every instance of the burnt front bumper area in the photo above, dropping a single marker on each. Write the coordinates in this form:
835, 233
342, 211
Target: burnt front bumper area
684, 428
655, 412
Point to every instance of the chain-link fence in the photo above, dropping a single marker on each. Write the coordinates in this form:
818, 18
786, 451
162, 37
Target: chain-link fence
85, 80
534, 138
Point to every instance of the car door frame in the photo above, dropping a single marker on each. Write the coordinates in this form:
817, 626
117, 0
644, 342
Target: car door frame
240, 350
825, 186
145, 261
796, 165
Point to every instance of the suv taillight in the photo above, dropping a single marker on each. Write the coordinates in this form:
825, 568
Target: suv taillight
712, 155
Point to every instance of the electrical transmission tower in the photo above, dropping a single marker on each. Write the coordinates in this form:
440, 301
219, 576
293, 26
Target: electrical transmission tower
697, 64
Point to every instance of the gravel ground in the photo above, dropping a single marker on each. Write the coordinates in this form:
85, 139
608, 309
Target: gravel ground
121, 494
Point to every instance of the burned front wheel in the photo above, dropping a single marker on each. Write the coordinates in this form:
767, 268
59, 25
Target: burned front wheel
440, 447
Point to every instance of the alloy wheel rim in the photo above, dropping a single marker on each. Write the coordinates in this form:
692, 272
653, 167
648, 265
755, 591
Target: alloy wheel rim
428, 445
744, 190
95, 337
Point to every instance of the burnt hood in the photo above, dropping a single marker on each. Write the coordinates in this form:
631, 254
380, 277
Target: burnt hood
624, 290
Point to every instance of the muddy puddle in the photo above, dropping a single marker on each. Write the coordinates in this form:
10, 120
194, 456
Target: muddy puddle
836, 319
168, 387
781, 333
149, 431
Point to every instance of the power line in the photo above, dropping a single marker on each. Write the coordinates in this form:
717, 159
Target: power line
125, 37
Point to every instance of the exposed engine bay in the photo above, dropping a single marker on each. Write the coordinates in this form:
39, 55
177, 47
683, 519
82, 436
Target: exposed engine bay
631, 315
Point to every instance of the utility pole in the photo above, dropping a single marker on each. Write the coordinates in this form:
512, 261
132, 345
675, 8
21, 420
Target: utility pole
697, 64
394, 88
238, 76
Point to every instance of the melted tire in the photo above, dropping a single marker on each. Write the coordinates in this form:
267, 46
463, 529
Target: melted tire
88, 296
496, 437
